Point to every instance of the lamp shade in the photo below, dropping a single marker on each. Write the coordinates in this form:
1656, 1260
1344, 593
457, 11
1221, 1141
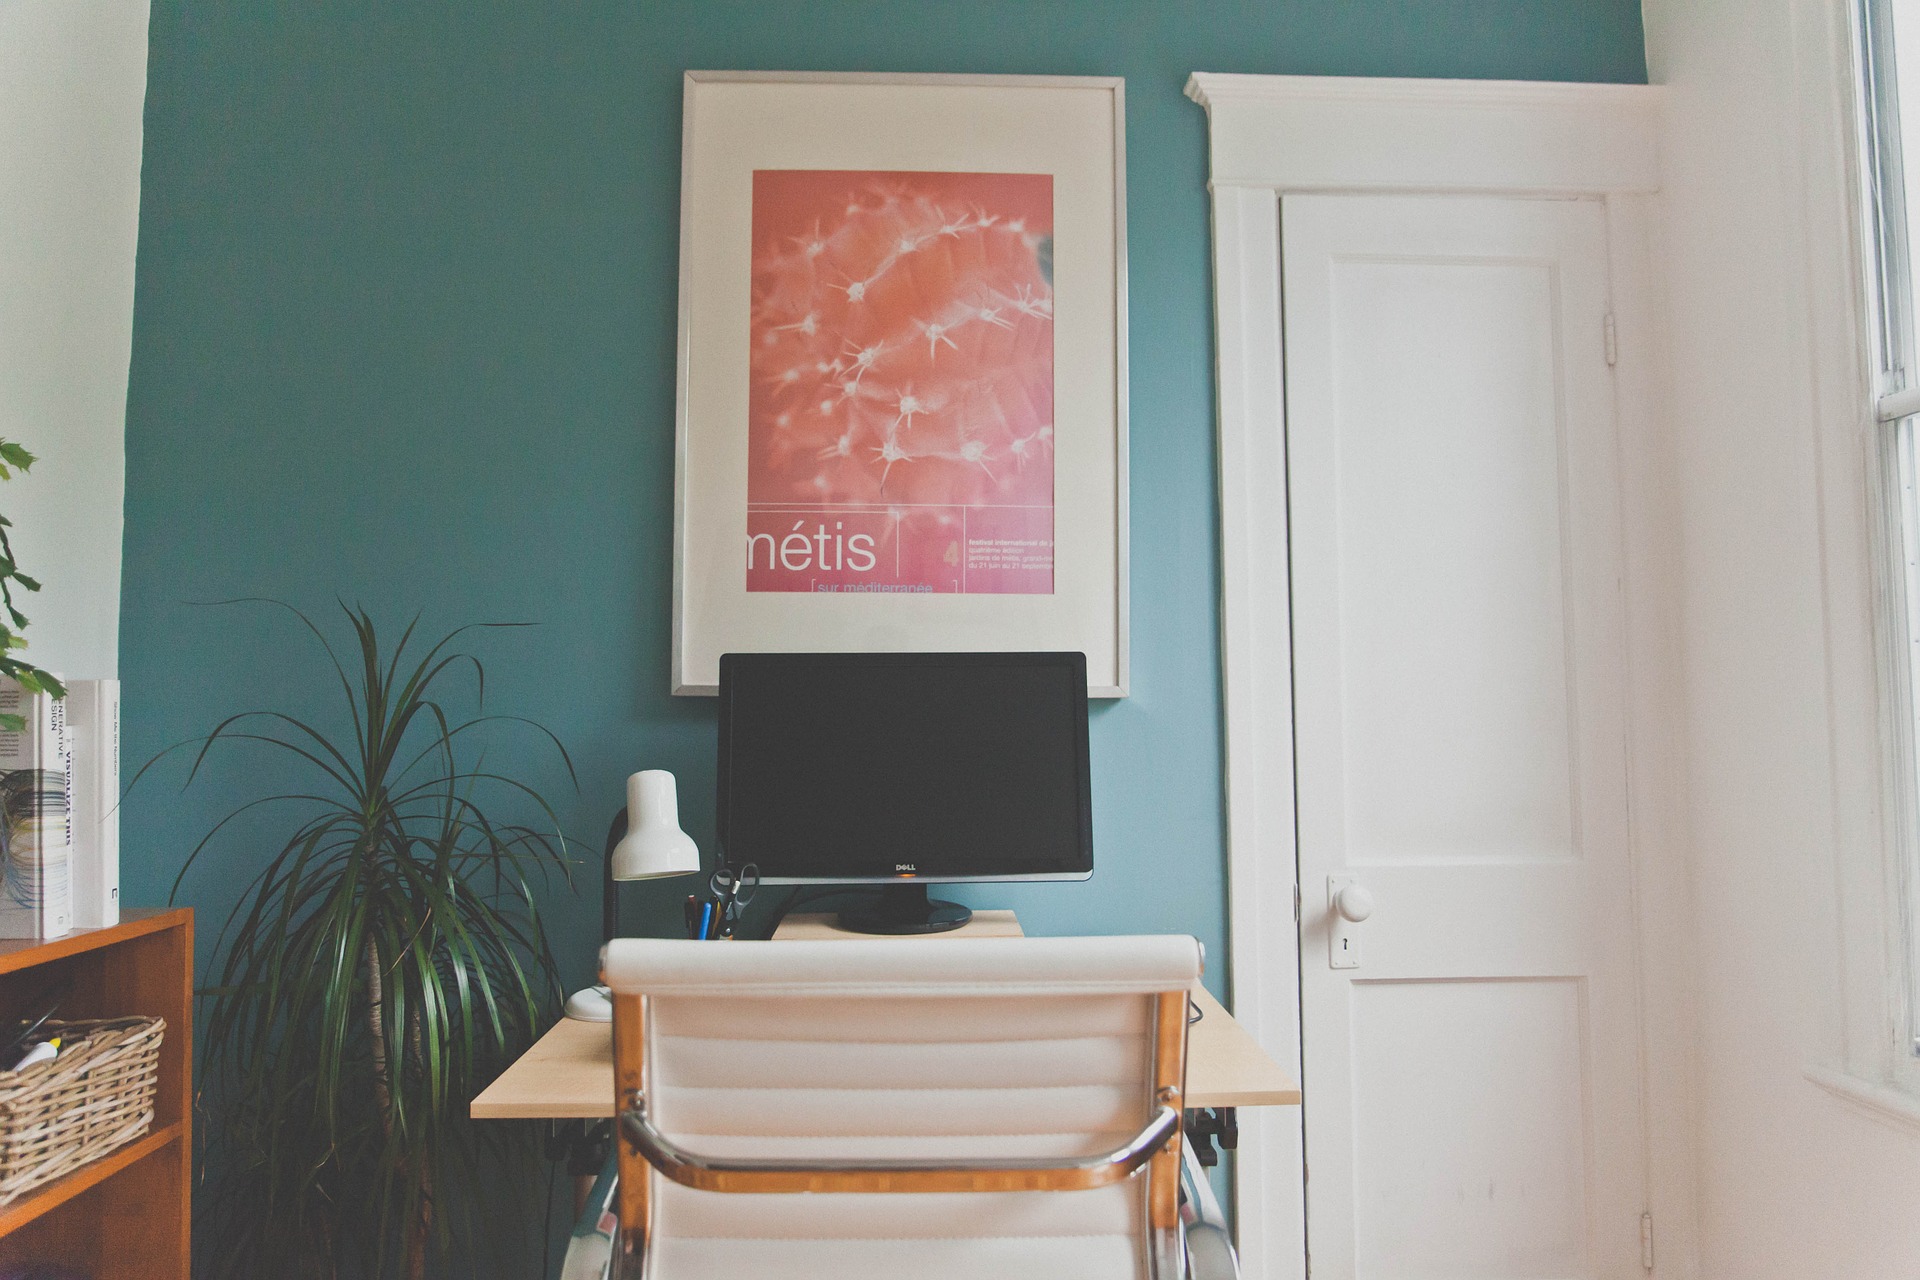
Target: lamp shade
654, 845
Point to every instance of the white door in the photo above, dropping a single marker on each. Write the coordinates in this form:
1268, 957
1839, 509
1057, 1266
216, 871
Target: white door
1470, 1048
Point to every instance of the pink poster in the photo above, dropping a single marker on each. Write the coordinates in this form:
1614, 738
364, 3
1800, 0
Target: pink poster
900, 420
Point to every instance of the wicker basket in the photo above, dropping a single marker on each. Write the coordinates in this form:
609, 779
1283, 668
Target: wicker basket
97, 1095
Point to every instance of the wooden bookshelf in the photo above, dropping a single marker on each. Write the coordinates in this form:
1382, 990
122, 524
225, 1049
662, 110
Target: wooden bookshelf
127, 1215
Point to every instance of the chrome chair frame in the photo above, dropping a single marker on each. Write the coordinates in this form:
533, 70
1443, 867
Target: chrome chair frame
717, 1173
641, 1147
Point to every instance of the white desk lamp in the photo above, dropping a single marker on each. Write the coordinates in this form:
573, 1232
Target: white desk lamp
650, 846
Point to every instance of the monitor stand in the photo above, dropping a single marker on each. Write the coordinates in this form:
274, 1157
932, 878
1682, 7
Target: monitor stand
904, 908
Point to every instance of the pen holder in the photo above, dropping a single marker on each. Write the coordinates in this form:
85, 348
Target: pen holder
69, 1111
707, 920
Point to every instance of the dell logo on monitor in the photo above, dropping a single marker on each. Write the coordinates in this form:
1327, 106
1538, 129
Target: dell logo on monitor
903, 866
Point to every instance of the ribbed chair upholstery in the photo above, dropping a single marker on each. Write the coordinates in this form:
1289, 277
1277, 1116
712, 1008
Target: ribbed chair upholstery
888, 1050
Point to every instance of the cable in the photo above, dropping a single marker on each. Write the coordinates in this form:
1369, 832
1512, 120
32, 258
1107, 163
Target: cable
546, 1219
799, 897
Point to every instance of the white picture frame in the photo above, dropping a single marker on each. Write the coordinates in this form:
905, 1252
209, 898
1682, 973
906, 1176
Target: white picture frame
922, 129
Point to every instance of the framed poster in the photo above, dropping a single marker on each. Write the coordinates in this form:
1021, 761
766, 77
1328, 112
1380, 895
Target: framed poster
902, 408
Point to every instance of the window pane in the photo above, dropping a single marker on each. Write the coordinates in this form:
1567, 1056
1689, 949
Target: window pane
1906, 67
1908, 874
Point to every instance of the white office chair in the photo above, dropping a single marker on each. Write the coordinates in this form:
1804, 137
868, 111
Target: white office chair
940, 1109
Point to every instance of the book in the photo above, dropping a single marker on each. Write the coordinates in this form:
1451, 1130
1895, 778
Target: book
36, 807
93, 724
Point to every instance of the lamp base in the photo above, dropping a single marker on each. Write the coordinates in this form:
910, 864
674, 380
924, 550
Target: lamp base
591, 1004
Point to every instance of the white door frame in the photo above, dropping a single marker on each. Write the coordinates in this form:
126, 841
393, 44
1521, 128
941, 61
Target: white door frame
1271, 135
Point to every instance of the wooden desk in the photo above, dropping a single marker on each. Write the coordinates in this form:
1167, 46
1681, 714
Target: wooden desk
568, 1074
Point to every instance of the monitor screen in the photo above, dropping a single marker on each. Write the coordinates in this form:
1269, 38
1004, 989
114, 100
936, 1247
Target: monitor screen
854, 767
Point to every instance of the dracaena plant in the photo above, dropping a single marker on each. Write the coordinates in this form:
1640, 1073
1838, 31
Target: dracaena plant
384, 963
14, 457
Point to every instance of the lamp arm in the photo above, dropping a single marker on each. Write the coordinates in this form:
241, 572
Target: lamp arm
609, 891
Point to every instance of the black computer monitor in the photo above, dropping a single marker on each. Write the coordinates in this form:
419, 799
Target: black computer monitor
900, 769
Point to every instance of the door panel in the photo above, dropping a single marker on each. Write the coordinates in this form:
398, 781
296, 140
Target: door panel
1470, 1049
1452, 678
1491, 1073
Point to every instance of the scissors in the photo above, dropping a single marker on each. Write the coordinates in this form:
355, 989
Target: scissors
733, 890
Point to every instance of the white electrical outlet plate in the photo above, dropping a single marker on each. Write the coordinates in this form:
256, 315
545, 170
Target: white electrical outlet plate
1343, 936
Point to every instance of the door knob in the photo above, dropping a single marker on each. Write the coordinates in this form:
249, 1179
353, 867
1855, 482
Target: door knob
1354, 903
1348, 903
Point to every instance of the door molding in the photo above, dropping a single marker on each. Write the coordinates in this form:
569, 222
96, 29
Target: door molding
1351, 133
1273, 135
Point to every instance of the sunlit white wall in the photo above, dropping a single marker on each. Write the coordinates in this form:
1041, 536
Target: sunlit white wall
73, 77
1797, 1182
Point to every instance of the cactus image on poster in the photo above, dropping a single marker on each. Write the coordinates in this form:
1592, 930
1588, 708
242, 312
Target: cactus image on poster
900, 414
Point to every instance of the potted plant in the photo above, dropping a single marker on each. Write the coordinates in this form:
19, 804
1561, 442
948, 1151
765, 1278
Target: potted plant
386, 961
14, 623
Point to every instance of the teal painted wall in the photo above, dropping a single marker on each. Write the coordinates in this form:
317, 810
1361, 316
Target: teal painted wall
404, 334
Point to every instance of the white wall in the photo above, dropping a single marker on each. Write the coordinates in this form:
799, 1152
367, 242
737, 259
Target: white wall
1782, 728
73, 78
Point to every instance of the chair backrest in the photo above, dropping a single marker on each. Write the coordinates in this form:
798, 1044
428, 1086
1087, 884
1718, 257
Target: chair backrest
889, 1050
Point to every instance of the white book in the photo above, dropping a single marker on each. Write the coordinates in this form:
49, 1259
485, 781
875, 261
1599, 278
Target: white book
36, 807
93, 723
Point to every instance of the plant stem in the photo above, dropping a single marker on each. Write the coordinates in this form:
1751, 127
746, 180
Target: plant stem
421, 1173
383, 1092
377, 1030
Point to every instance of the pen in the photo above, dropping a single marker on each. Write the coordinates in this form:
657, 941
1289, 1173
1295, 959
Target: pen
706, 922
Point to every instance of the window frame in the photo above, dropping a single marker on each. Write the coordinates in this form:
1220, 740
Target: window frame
1888, 274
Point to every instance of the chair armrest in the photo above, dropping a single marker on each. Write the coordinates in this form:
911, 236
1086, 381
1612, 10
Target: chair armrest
714, 1173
